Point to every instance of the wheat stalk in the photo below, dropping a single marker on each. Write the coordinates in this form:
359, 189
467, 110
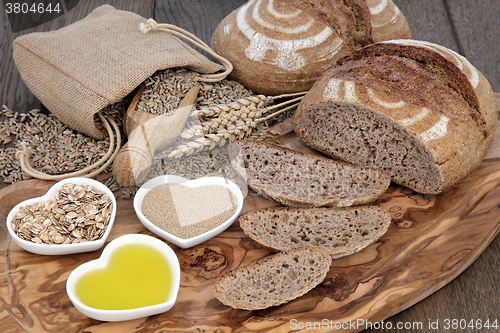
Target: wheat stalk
236, 120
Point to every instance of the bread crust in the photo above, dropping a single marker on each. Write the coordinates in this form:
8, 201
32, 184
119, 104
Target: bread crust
237, 158
435, 96
283, 46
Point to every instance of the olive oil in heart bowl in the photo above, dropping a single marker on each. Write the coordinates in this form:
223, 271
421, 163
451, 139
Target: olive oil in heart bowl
136, 276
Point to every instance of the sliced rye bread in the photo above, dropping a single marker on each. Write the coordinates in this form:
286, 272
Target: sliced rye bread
412, 109
273, 280
340, 231
302, 180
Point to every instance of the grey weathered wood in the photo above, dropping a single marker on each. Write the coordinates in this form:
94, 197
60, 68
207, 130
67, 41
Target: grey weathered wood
198, 16
429, 21
477, 28
13, 91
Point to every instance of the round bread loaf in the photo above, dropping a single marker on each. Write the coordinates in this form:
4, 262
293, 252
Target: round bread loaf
415, 110
283, 46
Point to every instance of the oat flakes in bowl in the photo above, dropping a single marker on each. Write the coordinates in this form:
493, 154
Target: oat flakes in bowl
75, 215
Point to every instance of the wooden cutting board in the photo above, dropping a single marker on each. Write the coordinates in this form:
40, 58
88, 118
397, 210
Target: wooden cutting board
431, 240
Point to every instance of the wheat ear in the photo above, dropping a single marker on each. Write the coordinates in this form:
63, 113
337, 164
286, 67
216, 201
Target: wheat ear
237, 122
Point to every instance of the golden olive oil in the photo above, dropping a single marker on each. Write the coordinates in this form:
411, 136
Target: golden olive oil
137, 275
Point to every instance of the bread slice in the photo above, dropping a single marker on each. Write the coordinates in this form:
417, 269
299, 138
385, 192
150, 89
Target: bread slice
340, 231
273, 280
412, 109
303, 180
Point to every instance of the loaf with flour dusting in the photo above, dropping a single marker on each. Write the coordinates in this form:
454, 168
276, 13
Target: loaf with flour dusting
283, 46
414, 110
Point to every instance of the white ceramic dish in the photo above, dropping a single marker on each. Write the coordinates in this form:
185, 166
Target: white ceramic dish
129, 314
185, 243
60, 249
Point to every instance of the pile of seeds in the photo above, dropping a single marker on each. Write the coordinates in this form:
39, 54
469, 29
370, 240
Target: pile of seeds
79, 213
165, 89
55, 148
222, 111
225, 111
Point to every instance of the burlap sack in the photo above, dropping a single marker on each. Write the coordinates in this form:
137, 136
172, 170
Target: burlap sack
78, 70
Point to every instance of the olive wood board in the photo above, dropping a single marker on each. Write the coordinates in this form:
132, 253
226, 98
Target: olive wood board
431, 240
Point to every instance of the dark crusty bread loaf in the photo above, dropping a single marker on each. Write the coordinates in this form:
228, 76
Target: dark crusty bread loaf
283, 46
415, 110
273, 280
340, 231
302, 180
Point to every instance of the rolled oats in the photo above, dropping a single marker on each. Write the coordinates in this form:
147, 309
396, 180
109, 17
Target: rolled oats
77, 214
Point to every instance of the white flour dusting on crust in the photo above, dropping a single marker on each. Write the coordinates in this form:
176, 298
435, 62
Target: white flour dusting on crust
416, 118
283, 51
439, 130
457, 59
385, 104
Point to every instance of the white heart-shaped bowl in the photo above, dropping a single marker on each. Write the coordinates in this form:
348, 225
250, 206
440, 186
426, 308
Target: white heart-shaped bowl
60, 249
186, 243
129, 314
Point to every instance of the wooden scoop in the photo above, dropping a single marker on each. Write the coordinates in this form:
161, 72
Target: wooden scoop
148, 133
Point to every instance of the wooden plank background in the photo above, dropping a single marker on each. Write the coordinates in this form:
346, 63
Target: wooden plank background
470, 28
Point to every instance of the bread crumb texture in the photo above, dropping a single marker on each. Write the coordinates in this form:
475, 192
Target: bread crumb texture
273, 280
297, 179
358, 135
340, 231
